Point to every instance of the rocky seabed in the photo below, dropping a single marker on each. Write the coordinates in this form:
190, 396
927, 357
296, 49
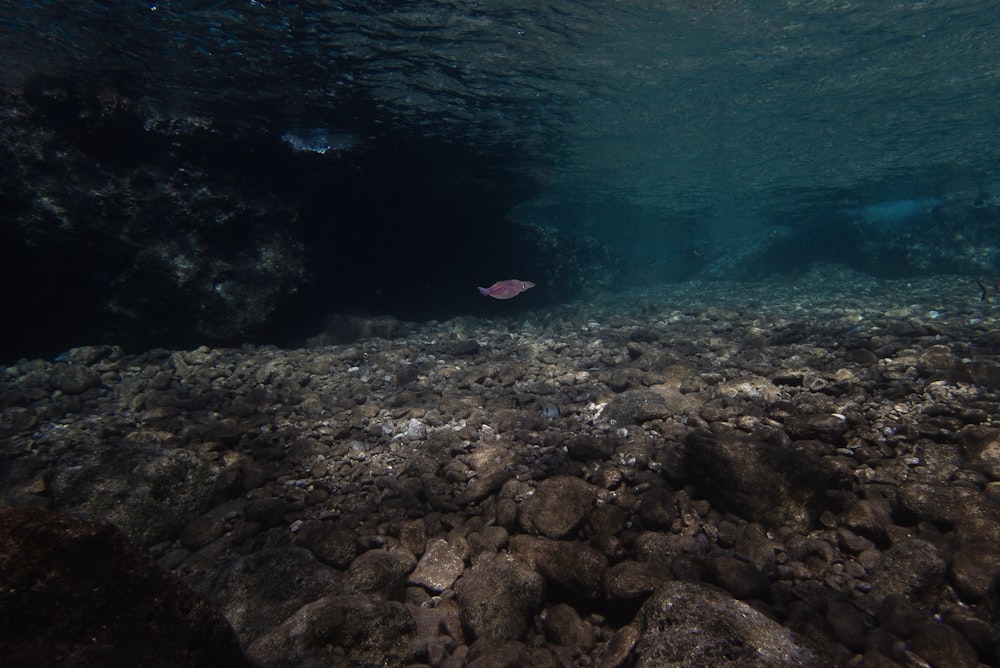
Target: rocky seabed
710, 475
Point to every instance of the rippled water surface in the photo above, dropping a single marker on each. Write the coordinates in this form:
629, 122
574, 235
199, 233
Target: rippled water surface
626, 111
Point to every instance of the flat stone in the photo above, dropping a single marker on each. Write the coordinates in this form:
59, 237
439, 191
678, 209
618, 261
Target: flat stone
637, 406
824, 427
438, 569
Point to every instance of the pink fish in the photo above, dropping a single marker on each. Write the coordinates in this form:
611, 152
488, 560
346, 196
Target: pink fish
506, 289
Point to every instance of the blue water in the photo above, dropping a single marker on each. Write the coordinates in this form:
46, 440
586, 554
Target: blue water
655, 109
695, 140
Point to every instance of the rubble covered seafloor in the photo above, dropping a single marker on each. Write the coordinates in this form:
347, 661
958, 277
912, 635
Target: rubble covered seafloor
704, 474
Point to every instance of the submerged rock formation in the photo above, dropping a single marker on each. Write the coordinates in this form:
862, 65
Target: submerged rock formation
77, 593
815, 499
123, 222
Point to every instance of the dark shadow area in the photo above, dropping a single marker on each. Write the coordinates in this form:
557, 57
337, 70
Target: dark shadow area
123, 225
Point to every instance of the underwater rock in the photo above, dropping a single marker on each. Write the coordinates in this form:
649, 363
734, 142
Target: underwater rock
466, 347
438, 569
78, 593
976, 561
262, 589
499, 597
687, 624
741, 579
942, 645
74, 378
149, 493
564, 627
771, 484
333, 546
635, 406
824, 427
474, 513
558, 507
632, 580
360, 630
945, 504
380, 573
570, 570
914, 568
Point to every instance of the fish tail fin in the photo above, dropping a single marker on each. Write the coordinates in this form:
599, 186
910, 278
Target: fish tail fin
484, 291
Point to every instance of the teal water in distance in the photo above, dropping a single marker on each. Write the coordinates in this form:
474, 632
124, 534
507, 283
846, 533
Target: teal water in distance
671, 129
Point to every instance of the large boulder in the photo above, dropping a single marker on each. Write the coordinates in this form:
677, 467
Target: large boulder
776, 485
688, 625
77, 593
336, 630
148, 492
